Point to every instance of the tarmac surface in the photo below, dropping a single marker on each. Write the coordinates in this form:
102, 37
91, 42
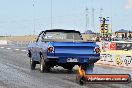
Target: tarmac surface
15, 73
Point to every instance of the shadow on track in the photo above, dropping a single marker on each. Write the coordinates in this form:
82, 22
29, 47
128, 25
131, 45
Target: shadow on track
60, 71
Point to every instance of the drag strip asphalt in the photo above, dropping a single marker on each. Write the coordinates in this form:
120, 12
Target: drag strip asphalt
15, 73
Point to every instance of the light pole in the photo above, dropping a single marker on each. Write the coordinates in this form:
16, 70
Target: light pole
93, 18
34, 16
87, 19
51, 14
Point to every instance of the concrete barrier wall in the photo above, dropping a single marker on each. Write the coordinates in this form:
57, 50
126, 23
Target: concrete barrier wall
16, 43
116, 58
3, 42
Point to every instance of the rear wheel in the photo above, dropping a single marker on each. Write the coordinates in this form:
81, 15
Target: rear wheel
32, 64
44, 66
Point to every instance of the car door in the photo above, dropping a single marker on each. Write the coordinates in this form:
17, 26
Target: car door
40, 46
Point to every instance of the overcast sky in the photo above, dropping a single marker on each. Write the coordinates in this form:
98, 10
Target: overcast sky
17, 16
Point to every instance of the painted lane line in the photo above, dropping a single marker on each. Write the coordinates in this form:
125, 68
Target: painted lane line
23, 50
2, 47
8, 48
17, 49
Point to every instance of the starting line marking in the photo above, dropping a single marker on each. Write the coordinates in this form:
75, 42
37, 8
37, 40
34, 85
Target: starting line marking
14, 49
8, 48
2, 47
17, 49
23, 50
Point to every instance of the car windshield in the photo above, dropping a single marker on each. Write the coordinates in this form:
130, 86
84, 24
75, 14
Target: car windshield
63, 35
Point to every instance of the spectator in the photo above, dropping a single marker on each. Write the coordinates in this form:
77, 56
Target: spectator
97, 39
130, 36
122, 36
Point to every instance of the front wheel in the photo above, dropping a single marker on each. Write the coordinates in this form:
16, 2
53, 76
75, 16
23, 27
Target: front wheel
32, 64
44, 67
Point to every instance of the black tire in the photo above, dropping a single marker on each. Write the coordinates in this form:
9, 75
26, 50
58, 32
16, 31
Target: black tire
44, 67
32, 64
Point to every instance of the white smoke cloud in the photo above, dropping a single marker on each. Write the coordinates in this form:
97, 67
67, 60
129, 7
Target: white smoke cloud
128, 5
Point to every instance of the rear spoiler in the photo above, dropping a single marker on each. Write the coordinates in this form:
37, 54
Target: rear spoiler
68, 40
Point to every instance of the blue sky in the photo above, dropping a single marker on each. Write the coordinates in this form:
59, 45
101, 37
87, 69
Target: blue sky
17, 16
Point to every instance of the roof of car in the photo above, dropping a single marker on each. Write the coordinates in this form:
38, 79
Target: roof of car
61, 30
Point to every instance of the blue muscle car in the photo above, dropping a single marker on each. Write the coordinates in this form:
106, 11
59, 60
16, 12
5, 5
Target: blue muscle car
64, 48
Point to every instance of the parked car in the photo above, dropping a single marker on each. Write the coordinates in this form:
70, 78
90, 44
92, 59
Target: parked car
64, 48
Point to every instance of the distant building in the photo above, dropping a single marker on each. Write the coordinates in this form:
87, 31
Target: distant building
123, 32
88, 35
89, 32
